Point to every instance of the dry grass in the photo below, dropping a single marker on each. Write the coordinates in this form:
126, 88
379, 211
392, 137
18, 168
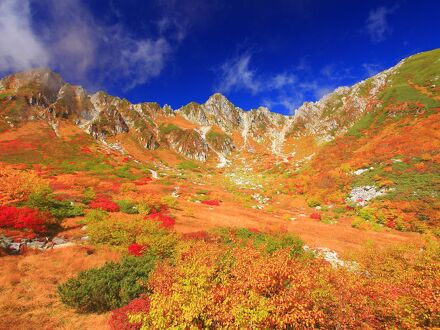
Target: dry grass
28, 283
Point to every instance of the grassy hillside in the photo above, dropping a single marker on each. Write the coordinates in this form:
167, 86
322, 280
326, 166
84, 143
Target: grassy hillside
397, 143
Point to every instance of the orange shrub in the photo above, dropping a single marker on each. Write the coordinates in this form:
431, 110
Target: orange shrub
17, 185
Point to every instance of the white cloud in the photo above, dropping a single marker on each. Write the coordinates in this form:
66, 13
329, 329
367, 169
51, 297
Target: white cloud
328, 70
291, 103
371, 69
304, 64
377, 24
282, 80
318, 89
236, 74
335, 71
74, 43
142, 60
322, 91
277, 90
20, 47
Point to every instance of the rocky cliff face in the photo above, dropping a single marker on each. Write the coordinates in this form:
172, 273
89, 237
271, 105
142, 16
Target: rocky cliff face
336, 112
41, 94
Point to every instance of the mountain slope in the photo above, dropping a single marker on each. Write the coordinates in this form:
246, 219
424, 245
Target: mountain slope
393, 147
384, 128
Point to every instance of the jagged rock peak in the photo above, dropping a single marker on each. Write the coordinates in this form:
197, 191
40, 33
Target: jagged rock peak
219, 103
217, 97
43, 77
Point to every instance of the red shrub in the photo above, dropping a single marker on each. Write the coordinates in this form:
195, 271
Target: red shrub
315, 216
391, 223
22, 218
86, 150
197, 235
104, 204
166, 220
136, 249
115, 187
55, 185
125, 159
143, 181
13, 145
211, 202
119, 318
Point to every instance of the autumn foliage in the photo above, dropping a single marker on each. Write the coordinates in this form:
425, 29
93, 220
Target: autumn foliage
165, 220
211, 202
105, 204
22, 218
136, 249
17, 185
208, 286
119, 320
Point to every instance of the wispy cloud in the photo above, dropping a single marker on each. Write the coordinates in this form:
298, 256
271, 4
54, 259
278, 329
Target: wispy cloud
377, 25
20, 47
371, 69
304, 64
236, 74
336, 71
281, 80
73, 42
318, 89
287, 89
289, 102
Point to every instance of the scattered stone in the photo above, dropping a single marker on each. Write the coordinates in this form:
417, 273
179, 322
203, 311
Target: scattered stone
332, 257
67, 244
59, 240
154, 174
5, 242
175, 192
14, 248
85, 238
362, 195
36, 245
260, 199
363, 170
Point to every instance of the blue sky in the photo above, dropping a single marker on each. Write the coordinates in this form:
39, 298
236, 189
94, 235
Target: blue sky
275, 53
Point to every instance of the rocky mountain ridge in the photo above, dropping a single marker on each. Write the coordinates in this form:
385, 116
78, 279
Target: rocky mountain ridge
196, 131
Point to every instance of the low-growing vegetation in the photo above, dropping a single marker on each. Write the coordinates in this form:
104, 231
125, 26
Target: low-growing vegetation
109, 287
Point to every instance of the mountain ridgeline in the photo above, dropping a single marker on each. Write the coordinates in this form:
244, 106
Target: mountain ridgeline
216, 129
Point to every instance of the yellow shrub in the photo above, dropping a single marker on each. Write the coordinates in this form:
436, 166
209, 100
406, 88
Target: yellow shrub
17, 185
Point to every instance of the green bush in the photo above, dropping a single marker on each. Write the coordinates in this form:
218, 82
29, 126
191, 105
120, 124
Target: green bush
89, 195
269, 242
44, 201
169, 201
362, 124
313, 202
167, 129
125, 173
187, 165
108, 287
94, 215
127, 206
